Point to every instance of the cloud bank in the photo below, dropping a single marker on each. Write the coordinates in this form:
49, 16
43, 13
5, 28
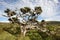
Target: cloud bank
50, 8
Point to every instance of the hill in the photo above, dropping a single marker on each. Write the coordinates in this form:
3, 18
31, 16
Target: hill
6, 32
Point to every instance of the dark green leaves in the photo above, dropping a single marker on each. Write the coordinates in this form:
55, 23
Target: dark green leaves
38, 10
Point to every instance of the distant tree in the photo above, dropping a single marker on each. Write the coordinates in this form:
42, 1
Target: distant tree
25, 13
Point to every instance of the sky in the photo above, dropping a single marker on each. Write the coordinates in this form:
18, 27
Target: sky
51, 8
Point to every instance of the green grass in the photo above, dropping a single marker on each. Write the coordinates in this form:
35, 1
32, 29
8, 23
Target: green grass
6, 36
31, 35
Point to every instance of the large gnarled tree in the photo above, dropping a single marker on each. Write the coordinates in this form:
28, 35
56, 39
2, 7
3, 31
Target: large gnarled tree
25, 16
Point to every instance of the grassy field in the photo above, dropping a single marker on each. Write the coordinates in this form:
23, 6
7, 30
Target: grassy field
12, 32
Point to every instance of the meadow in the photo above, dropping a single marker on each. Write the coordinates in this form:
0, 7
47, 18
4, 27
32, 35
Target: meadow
12, 32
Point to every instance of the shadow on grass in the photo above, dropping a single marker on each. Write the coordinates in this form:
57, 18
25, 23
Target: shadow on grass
39, 36
33, 35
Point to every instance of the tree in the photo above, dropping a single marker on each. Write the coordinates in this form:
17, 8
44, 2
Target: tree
25, 13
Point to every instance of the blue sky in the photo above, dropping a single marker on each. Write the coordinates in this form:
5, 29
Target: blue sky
51, 8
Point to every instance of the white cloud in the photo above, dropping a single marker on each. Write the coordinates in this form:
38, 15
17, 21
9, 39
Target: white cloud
1, 13
56, 1
48, 6
4, 21
56, 18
